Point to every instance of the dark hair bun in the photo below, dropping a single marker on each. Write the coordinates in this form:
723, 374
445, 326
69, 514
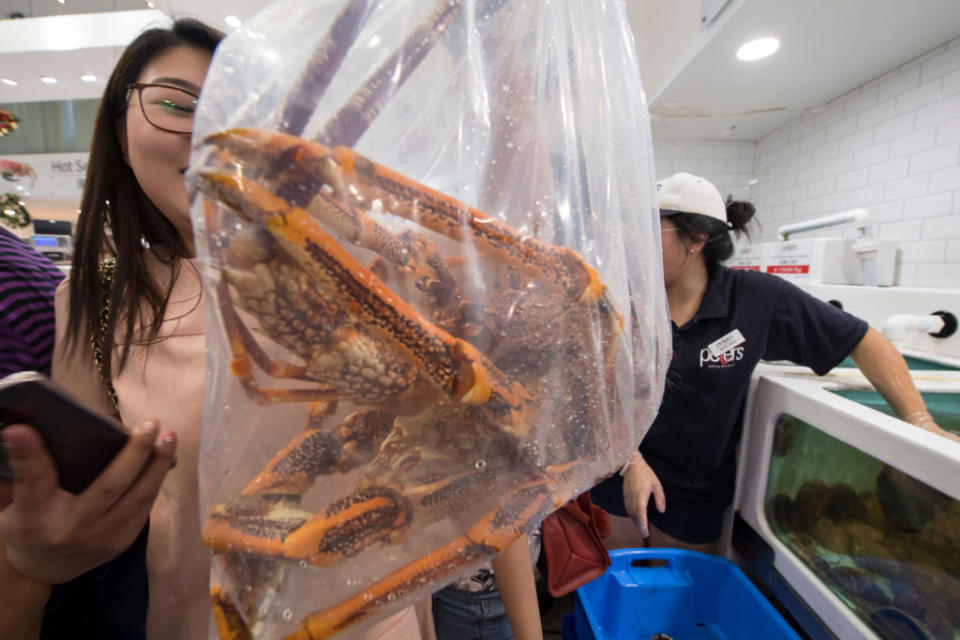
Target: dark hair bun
739, 213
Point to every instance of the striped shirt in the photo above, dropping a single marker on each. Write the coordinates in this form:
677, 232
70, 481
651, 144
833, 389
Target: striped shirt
27, 284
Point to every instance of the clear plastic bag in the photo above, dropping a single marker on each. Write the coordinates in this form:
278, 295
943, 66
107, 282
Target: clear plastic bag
436, 322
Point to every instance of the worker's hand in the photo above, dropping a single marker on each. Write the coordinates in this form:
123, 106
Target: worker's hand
53, 536
924, 420
639, 482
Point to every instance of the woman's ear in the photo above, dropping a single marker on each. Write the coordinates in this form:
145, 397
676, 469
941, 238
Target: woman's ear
120, 129
697, 242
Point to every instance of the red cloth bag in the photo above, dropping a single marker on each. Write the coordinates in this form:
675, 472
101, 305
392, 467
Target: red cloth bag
573, 550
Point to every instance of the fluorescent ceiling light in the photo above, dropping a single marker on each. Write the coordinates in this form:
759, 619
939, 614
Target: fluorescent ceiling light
88, 77
62, 1
151, 5
9, 82
233, 22
48, 80
757, 49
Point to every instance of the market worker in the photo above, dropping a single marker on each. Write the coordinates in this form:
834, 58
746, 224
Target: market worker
724, 322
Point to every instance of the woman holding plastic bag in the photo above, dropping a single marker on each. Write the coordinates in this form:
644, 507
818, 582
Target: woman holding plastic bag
427, 330
136, 196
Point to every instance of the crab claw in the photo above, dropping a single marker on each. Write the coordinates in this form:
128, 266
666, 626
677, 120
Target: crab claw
308, 169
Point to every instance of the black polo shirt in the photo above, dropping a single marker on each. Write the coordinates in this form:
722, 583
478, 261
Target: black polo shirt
692, 443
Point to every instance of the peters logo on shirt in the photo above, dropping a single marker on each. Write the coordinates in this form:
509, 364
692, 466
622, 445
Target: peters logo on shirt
724, 352
721, 360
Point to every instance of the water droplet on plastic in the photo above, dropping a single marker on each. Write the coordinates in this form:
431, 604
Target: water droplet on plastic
505, 87
226, 472
263, 610
367, 597
287, 614
509, 145
480, 465
303, 564
391, 597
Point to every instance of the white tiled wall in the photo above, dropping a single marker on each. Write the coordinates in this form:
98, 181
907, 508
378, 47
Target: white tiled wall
891, 146
728, 165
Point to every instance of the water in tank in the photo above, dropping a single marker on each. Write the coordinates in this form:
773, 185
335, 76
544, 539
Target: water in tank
885, 543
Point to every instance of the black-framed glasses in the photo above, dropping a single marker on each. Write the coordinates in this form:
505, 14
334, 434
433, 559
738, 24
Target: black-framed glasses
166, 107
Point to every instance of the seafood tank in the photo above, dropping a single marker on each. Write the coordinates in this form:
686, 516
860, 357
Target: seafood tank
886, 544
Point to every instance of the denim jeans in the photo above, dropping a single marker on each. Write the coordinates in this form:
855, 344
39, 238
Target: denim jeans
467, 615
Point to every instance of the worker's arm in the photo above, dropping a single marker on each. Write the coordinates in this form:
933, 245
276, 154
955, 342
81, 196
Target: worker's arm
886, 369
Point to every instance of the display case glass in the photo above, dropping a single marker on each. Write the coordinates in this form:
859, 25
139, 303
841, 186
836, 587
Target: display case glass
885, 543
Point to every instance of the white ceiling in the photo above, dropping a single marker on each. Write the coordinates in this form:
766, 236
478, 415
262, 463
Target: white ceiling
25, 58
696, 86
829, 47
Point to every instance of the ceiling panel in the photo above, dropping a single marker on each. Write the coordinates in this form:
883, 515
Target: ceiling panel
828, 49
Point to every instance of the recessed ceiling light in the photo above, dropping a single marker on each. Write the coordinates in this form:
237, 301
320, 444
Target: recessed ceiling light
757, 49
9, 82
88, 77
48, 80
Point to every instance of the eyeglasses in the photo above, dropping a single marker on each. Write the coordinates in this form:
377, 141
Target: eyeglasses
166, 107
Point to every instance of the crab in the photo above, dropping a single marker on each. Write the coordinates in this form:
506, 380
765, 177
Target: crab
453, 366
435, 378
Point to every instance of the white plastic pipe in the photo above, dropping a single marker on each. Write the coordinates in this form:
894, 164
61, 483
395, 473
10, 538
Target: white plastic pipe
896, 327
860, 216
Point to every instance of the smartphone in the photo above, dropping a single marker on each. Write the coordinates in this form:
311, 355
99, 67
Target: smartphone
81, 442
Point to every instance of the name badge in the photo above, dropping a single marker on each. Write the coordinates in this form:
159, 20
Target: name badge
727, 342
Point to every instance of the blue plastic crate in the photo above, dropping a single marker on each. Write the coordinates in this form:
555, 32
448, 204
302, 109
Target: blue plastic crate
681, 594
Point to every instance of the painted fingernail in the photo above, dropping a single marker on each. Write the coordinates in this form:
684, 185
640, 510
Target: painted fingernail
10, 444
148, 427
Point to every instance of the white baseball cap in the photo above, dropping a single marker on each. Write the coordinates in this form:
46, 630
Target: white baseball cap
686, 193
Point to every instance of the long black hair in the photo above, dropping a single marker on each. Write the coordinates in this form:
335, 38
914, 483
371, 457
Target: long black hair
117, 218
719, 246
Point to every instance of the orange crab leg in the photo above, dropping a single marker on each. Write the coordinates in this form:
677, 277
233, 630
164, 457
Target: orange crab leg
299, 167
317, 451
347, 172
450, 217
518, 512
230, 624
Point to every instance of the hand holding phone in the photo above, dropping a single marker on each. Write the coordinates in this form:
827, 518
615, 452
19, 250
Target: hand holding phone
80, 442
51, 535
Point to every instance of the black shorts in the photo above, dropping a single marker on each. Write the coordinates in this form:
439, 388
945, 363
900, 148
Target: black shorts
688, 524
